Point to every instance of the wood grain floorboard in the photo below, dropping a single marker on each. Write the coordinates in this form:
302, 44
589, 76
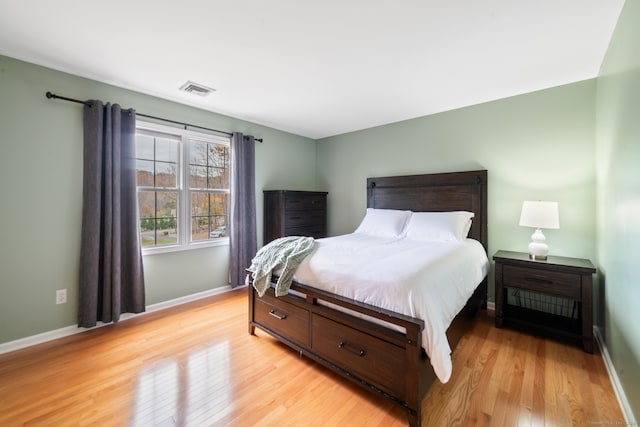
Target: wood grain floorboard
196, 365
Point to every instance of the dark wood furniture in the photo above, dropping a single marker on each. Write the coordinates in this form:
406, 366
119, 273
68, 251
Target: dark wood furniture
294, 213
553, 296
378, 358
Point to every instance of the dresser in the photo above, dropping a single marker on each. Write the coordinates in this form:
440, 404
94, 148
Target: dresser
294, 213
552, 297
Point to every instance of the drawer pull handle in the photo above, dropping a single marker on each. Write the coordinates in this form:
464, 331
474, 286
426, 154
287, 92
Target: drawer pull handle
343, 345
277, 316
540, 279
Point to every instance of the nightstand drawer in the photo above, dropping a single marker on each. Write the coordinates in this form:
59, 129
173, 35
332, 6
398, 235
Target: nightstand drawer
539, 280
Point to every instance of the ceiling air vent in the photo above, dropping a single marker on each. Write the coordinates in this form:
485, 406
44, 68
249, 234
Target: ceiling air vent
196, 89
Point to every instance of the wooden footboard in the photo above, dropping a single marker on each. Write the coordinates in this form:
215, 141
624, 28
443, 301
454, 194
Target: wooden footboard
388, 362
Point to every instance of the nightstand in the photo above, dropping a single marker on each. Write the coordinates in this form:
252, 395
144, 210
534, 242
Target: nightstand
552, 297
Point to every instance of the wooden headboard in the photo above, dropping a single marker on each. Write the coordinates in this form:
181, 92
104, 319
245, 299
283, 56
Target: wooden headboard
440, 192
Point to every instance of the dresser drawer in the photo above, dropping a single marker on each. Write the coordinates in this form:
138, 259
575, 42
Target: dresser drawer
294, 213
283, 318
369, 358
539, 280
295, 219
306, 202
316, 231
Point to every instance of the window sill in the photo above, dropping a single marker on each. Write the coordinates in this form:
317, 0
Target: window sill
182, 248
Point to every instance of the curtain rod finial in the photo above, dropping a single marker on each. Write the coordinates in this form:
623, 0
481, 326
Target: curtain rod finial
50, 95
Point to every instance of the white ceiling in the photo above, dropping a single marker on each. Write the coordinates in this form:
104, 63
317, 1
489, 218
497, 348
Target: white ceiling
317, 68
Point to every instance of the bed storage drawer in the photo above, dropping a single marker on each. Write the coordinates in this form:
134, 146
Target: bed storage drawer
369, 358
283, 318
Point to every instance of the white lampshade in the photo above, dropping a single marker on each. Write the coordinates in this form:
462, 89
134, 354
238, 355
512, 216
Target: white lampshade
539, 215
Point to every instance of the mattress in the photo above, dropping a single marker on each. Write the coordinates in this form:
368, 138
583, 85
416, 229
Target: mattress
431, 281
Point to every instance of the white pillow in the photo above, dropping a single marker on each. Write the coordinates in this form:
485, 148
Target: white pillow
439, 226
383, 222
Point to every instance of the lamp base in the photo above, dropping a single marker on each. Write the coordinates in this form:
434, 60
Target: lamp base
538, 249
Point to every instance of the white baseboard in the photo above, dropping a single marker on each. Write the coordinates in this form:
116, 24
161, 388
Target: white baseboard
615, 381
71, 330
491, 305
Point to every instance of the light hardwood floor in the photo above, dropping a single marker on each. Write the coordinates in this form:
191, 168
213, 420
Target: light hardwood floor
196, 365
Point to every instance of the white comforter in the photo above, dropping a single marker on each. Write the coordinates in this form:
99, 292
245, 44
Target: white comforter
427, 280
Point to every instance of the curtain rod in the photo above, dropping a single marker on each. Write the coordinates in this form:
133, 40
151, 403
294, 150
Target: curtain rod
77, 101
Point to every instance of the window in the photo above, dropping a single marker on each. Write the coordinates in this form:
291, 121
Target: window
183, 187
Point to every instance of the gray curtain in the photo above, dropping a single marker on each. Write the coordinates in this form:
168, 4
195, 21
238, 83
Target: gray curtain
242, 236
111, 276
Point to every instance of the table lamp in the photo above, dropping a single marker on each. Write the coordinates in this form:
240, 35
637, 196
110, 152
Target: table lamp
539, 215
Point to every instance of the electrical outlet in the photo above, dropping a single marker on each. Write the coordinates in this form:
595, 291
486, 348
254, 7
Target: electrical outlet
61, 296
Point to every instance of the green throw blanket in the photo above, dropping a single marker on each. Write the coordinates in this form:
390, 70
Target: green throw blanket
286, 253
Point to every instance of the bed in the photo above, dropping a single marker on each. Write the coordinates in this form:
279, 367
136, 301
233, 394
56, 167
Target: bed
380, 349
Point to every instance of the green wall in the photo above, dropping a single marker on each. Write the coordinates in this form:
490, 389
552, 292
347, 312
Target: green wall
41, 195
538, 146
618, 193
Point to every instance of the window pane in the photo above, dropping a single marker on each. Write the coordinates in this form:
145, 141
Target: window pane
166, 150
147, 204
218, 178
165, 235
158, 218
166, 204
166, 175
144, 147
199, 216
219, 205
199, 204
209, 214
147, 209
198, 153
197, 177
219, 155
209, 165
147, 233
144, 173
166, 218
218, 214
219, 167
